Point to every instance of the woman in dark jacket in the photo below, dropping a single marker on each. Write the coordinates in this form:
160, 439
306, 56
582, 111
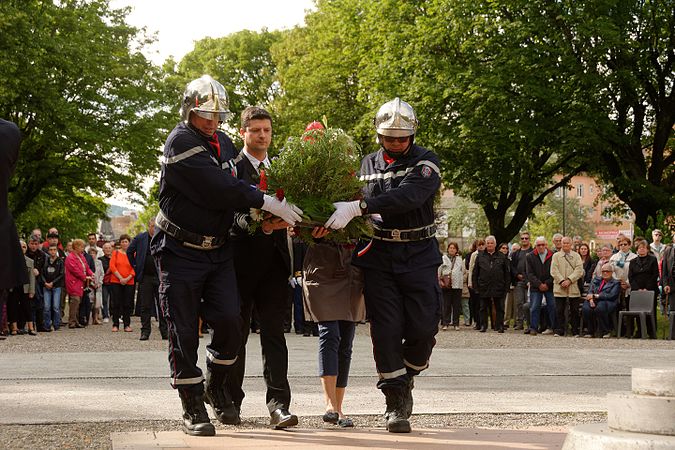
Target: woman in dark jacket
643, 275
601, 302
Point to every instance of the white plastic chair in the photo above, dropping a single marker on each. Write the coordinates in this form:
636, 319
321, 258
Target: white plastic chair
641, 305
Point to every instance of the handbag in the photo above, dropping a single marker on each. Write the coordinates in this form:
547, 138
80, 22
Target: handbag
445, 282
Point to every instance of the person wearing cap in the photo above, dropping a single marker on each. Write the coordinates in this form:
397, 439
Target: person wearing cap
198, 193
53, 237
601, 302
400, 262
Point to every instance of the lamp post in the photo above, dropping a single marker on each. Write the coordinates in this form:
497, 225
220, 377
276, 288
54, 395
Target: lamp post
564, 198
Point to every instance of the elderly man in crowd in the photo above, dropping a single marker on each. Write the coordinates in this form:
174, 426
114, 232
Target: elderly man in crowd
519, 278
541, 285
566, 269
492, 279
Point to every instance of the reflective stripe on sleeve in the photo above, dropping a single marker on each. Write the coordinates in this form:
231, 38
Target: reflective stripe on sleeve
184, 381
400, 173
222, 362
186, 154
390, 375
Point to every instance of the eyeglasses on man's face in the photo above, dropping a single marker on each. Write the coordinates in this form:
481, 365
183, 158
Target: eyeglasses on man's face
525, 238
623, 243
392, 139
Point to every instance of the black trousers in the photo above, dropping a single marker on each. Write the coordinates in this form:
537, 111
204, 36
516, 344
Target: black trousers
266, 293
486, 311
561, 304
148, 297
122, 302
403, 310
452, 307
189, 290
474, 307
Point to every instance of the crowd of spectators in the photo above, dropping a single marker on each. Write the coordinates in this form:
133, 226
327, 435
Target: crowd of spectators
561, 289
75, 283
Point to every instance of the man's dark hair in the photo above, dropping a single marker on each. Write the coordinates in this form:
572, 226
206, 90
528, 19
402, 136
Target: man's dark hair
123, 237
92, 234
253, 113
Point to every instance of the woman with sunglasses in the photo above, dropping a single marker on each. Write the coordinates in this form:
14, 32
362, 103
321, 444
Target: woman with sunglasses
601, 302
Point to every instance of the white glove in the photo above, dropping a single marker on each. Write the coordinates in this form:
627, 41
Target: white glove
287, 211
344, 212
295, 282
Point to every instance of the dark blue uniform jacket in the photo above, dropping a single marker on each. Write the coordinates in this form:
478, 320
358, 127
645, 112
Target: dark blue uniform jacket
402, 193
199, 191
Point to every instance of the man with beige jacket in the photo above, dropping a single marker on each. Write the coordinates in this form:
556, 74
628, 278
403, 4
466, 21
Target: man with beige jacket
566, 269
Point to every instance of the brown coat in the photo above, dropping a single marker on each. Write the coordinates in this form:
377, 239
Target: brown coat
332, 287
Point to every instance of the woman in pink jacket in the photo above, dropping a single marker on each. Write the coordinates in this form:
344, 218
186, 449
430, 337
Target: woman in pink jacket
78, 274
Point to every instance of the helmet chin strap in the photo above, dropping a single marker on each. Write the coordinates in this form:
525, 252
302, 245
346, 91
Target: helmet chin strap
396, 155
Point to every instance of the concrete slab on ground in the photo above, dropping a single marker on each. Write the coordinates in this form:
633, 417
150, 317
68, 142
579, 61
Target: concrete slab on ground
424, 439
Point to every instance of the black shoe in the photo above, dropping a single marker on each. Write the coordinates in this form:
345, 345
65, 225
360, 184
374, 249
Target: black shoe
144, 337
196, 420
282, 418
527, 331
483, 330
501, 330
32, 333
217, 396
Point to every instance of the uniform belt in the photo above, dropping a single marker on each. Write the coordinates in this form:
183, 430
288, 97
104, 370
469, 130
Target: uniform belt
411, 235
188, 238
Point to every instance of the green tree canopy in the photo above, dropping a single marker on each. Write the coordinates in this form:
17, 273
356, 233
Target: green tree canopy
93, 111
624, 58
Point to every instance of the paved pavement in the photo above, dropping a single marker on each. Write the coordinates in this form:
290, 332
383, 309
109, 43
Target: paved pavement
107, 386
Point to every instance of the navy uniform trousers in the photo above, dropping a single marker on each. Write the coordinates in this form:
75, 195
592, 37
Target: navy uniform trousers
190, 289
403, 310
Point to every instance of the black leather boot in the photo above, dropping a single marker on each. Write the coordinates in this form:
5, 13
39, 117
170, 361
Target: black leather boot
396, 414
408, 398
195, 418
216, 395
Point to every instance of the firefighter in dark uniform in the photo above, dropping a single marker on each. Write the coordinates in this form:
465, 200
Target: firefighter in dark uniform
197, 197
400, 263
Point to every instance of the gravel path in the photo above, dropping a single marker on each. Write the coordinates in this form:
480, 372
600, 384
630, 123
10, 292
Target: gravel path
99, 338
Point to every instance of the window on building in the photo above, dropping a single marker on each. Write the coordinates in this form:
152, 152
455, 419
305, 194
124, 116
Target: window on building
580, 190
559, 191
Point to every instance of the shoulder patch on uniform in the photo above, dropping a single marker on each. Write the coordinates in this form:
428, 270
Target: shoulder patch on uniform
426, 171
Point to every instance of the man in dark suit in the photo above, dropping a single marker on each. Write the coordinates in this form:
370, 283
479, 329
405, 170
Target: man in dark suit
13, 267
263, 267
147, 279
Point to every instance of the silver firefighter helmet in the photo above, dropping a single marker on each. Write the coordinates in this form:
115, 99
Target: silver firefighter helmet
396, 118
205, 97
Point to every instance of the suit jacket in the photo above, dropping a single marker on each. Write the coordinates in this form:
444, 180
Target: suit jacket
13, 267
254, 251
137, 251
